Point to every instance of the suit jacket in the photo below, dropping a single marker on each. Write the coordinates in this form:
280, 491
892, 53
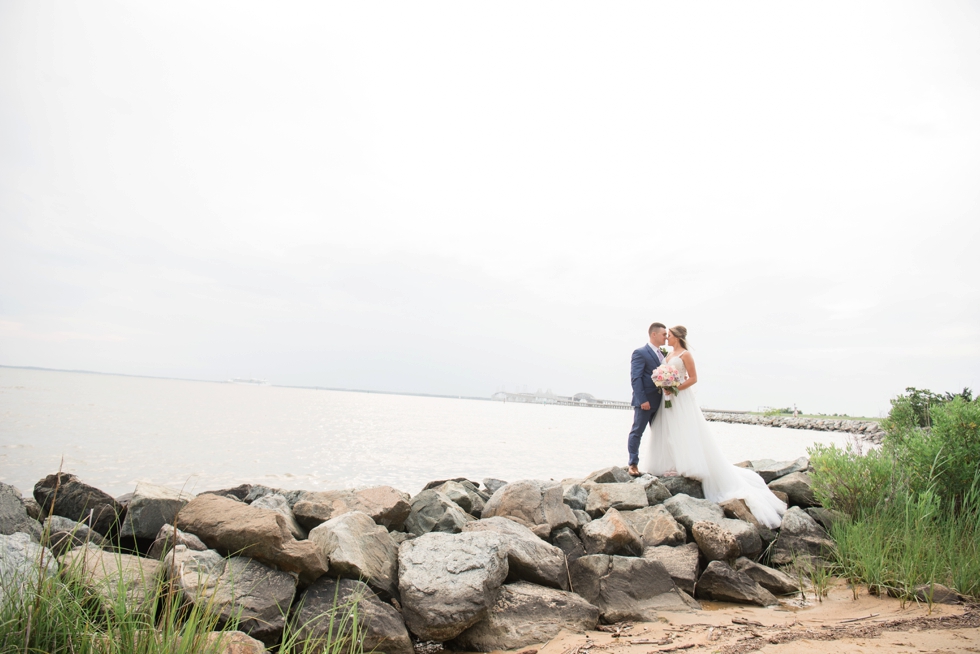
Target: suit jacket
642, 365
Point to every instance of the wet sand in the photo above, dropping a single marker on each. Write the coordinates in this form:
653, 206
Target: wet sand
838, 624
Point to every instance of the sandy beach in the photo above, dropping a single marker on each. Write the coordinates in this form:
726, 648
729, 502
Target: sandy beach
839, 623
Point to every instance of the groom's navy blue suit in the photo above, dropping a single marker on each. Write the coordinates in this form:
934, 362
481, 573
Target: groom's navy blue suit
645, 360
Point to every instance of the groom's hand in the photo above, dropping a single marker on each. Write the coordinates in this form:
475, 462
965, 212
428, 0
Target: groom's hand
645, 406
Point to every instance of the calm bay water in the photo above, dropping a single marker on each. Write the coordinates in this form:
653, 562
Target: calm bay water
113, 431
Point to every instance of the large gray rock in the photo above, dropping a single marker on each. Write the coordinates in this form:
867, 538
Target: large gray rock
656, 492
493, 485
662, 529
258, 491
721, 583
326, 610
776, 582
770, 470
715, 542
683, 486
683, 563
800, 537
168, 537
824, 517
613, 475
465, 495
449, 581
233, 527
687, 510
13, 514
279, 504
238, 586
116, 578
536, 504
433, 511
524, 614
623, 497
569, 543
528, 557
62, 535
65, 495
798, 487
576, 497
151, 507
581, 518
358, 548
19, 567
387, 506
626, 588
611, 534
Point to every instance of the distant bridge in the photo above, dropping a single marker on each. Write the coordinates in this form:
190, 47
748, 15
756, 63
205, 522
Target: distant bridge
579, 399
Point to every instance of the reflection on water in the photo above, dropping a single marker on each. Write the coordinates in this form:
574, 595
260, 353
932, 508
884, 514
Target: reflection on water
113, 431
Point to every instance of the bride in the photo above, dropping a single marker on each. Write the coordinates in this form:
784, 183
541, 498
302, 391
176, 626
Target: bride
681, 443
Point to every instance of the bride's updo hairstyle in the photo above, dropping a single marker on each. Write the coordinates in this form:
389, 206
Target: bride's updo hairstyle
681, 333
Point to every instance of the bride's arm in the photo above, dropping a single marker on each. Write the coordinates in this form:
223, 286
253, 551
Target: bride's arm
692, 371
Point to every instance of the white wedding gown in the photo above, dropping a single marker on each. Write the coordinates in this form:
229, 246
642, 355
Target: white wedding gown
681, 441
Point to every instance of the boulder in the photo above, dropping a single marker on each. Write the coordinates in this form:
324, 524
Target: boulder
683, 486
400, 536
168, 536
781, 496
279, 504
824, 517
150, 508
656, 492
493, 485
433, 511
238, 586
575, 496
387, 506
62, 534
800, 537
458, 480
32, 507
687, 509
611, 534
776, 582
569, 543
737, 509
233, 642
235, 528
358, 548
798, 487
721, 583
19, 569
449, 581
13, 514
663, 529
770, 470
626, 588
613, 475
715, 542
239, 492
624, 497
581, 518
116, 578
524, 614
528, 557
65, 495
534, 503
683, 563
464, 496
325, 612
258, 491
937, 594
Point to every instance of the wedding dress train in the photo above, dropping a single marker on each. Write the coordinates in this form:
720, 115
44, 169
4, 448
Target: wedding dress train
681, 441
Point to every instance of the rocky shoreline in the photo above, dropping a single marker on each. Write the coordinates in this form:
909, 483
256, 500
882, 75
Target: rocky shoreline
868, 430
474, 566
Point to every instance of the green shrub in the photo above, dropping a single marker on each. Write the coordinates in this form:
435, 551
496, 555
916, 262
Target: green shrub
849, 482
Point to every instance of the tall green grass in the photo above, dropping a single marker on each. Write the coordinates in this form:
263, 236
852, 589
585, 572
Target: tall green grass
910, 510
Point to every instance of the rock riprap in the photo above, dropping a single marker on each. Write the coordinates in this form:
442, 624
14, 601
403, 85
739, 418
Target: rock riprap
538, 505
66, 495
152, 506
626, 587
386, 505
359, 548
528, 557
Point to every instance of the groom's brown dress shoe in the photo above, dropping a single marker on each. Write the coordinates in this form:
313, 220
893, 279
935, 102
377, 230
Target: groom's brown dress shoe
633, 471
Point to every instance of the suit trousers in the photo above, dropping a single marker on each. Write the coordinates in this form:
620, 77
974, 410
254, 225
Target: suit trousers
641, 420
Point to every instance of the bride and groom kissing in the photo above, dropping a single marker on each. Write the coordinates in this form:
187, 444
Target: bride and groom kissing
680, 441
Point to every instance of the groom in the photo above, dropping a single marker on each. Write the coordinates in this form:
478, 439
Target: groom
646, 396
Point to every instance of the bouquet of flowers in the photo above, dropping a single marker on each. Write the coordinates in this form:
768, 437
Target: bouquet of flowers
667, 377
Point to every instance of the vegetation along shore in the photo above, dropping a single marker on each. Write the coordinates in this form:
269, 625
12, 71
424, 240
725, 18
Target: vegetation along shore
490, 565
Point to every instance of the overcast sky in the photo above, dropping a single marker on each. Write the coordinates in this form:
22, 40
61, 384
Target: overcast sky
454, 197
